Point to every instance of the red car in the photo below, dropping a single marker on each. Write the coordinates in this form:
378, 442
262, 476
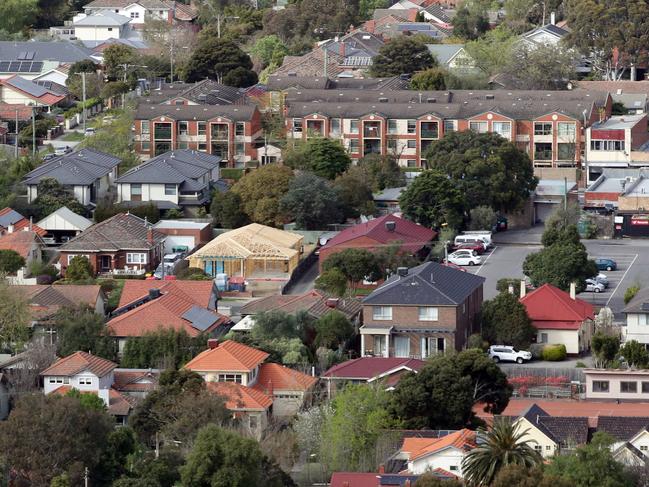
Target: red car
478, 247
453, 266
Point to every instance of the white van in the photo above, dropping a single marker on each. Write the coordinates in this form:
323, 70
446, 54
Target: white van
483, 234
469, 239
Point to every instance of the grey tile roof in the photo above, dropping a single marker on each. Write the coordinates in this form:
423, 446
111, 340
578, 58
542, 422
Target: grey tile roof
428, 284
238, 113
639, 303
209, 92
566, 431
552, 29
83, 167
284, 82
444, 52
622, 428
439, 13
61, 51
125, 3
106, 18
120, 232
174, 167
393, 83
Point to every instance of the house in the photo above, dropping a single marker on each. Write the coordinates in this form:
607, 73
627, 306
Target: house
101, 26
11, 220
637, 318
184, 235
123, 244
409, 237
251, 251
208, 92
180, 179
17, 90
138, 11
389, 30
27, 243
545, 35
33, 59
251, 407
617, 384
89, 174
380, 479
63, 224
368, 370
603, 193
445, 453
631, 444
150, 306
454, 58
420, 312
560, 317
95, 375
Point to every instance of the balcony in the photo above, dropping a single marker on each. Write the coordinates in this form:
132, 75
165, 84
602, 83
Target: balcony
372, 130
429, 130
543, 155
371, 146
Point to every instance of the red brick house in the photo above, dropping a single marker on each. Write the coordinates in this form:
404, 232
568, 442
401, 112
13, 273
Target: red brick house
123, 244
375, 234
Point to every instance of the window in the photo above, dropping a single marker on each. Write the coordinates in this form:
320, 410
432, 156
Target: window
542, 151
538, 448
392, 144
136, 192
380, 313
162, 131
334, 126
202, 128
353, 126
240, 149
109, 29
170, 189
182, 128
135, 258
565, 152
432, 346
453, 468
449, 126
145, 146
412, 126
412, 144
230, 378
644, 448
353, 146
628, 387
85, 381
607, 145
548, 447
202, 146
645, 387
182, 145
240, 128
566, 129
296, 125
479, 127
411, 163
135, 15
145, 127
429, 130
401, 346
600, 386
504, 129
428, 313
252, 422
542, 128
392, 126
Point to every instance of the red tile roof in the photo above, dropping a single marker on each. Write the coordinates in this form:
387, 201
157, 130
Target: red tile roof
78, 362
239, 397
131, 380
366, 368
8, 112
227, 356
133, 290
551, 308
419, 447
22, 242
48, 98
411, 236
118, 405
354, 479
276, 377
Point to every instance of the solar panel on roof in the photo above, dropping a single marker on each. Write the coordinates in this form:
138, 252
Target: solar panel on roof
4, 66
10, 218
200, 318
30, 55
14, 66
22, 55
36, 67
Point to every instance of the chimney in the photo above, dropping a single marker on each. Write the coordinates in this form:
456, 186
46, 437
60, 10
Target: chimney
342, 48
149, 235
553, 18
31, 223
390, 226
381, 468
402, 271
212, 343
407, 483
523, 288
10, 228
332, 302
573, 290
154, 293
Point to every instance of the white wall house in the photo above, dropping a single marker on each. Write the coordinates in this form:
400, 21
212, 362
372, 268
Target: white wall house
101, 26
134, 11
446, 452
637, 318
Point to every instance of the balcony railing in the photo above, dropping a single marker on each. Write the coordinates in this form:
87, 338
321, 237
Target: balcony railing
543, 155
429, 134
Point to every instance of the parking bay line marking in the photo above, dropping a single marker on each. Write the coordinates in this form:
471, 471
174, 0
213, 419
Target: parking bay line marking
485, 261
622, 279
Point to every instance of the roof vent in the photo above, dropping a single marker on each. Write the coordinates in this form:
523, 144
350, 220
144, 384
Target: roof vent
383, 100
154, 293
390, 226
332, 302
431, 100
402, 271
490, 97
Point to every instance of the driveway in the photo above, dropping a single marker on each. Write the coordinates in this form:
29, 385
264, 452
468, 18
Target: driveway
306, 282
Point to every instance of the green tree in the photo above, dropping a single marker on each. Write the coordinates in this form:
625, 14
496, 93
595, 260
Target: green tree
605, 347
82, 329
311, 202
444, 392
17, 15
325, 157
355, 264
116, 138
358, 417
469, 24
162, 349
219, 59
429, 80
591, 465
482, 218
505, 320
492, 51
542, 67
366, 7
503, 444
430, 480
94, 79
88, 400
333, 330
226, 210
269, 49
79, 269
115, 56
333, 282
401, 55
635, 354
381, 171
11, 261
148, 471
522, 476
277, 324
14, 317
630, 293
52, 195
261, 192
432, 199
354, 193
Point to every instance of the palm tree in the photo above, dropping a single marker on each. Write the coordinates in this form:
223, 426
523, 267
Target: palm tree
502, 445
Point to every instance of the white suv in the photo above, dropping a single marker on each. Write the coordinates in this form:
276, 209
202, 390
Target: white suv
507, 353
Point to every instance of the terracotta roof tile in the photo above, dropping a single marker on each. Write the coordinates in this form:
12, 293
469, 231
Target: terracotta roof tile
550, 307
354, 479
239, 397
227, 356
127, 380
273, 377
314, 302
21, 223
78, 362
367, 368
22, 242
419, 447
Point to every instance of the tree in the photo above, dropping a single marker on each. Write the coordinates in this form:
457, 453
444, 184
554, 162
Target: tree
122, 446
605, 347
325, 157
482, 218
79, 269
486, 168
542, 67
17, 15
311, 202
115, 56
381, 171
277, 324
164, 348
11, 261
333, 330
82, 329
149, 471
505, 320
261, 192
88, 400
429, 80
355, 264
591, 465
221, 60
269, 49
359, 415
94, 80
52, 195
432, 200
14, 317
444, 392
367, 7
503, 444
430, 480
635, 354
354, 193
226, 210
492, 51
333, 282
630, 292
522, 476
469, 24
69, 436
401, 55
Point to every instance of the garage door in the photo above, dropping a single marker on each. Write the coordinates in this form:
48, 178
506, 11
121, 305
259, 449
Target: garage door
544, 210
177, 240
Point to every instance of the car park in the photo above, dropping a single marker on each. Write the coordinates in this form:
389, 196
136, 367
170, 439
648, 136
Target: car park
477, 247
469, 239
601, 278
606, 264
506, 353
464, 257
49, 157
592, 286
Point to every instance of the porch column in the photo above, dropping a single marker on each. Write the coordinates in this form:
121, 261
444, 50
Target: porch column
362, 345
387, 345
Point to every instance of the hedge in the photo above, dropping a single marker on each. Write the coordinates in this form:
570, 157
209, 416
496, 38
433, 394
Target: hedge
554, 353
231, 173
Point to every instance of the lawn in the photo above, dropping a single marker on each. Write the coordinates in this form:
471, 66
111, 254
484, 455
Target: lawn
73, 137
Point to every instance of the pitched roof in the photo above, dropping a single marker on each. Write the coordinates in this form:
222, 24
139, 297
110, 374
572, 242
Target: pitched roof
21, 241
61, 51
61, 295
239, 397
366, 368
420, 447
275, 377
9, 216
316, 303
427, 284
78, 362
210, 92
227, 356
64, 217
135, 380
183, 167
548, 28
120, 232
105, 18
33, 90
10, 111
639, 303
82, 167
444, 52
622, 428
567, 430
237, 113
551, 308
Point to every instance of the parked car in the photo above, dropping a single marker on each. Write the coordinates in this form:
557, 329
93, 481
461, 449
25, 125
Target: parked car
592, 286
469, 239
484, 235
48, 157
477, 247
465, 257
59, 151
601, 278
606, 264
169, 261
89, 131
507, 353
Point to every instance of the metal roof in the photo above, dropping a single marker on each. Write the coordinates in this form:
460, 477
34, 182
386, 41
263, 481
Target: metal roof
10, 218
78, 168
105, 18
174, 167
61, 51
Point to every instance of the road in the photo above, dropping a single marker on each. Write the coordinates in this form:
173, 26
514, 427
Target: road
306, 282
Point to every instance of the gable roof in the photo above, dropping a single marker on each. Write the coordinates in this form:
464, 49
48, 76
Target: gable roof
427, 284
135, 380
444, 53
549, 29
33, 90
316, 303
411, 236
78, 362
551, 308
622, 428
61, 51
82, 167
237, 113
21, 241
639, 303
61, 295
106, 18
227, 356
563, 430
463, 439
9, 216
183, 167
275, 377
120, 232
68, 218
366, 368
210, 92
239, 397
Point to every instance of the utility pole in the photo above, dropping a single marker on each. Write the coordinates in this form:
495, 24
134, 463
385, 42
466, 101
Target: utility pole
85, 477
83, 89
171, 56
16, 139
33, 132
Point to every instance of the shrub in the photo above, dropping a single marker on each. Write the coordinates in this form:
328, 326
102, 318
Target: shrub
44, 279
536, 349
554, 353
476, 341
191, 273
502, 286
630, 293
580, 365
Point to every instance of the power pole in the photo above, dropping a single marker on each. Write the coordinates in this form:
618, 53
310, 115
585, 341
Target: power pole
33, 132
16, 140
85, 477
171, 55
83, 86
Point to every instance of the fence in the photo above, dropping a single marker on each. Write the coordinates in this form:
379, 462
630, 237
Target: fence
544, 382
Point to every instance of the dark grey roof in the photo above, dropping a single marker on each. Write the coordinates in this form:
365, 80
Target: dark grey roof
209, 92
174, 167
428, 284
567, 431
552, 29
27, 86
637, 304
280, 83
438, 12
393, 83
200, 318
622, 428
61, 51
238, 113
55, 88
78, 168
533, 414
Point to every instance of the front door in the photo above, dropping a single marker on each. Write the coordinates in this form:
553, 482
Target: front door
105, 262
